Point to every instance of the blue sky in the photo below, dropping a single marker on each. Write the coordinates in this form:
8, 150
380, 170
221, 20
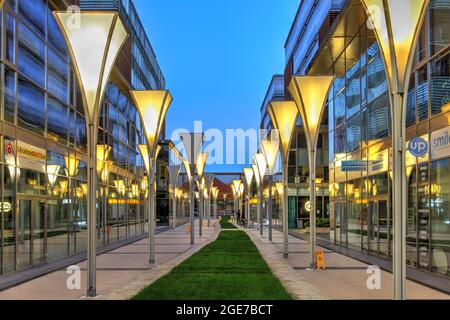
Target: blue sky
218, 57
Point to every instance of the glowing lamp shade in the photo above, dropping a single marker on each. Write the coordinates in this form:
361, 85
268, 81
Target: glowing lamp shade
261, 165
233, 190
283, 115
103, 152
280, 188
270, 150
153, 106
241, 189
214, 192
397, 35
201, 163
71, 165
187, 166
248, 174
93, 47
192, 143
237, 187
173, 171
310, 94
256, 174
209, 180
52, 174
1, 3
145, 157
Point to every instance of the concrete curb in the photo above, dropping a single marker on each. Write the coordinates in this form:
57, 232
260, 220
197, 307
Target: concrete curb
295, 284
143, 280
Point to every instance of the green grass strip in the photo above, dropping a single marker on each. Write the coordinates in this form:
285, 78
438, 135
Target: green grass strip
226, 224
230, 268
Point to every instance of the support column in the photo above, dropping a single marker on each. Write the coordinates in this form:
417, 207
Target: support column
312, 213
285, 213
152, 218
92, 212
269, 208
399, 196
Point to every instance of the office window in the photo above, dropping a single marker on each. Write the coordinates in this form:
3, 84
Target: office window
422, 93
377, 84
10, 94
31, 106
34, 12
57, 120
378, 114
439, 25
440, 84
354, 133
31, 55
10, 42
58, 75
411, 102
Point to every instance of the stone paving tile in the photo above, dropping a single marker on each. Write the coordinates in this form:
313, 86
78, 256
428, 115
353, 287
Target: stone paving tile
122, 272
345, 278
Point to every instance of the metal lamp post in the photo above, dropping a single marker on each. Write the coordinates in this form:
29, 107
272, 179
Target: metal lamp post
193, 143
310, 94
236, 188
200, 166
241, 198
283, 115
93, 47
152, 106
174, 172
209, 181
248, 174
215, 195
260, 168
270, 150
397, 25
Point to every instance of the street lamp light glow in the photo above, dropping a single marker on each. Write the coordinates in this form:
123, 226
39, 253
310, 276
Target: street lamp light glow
260, 168
283, 115
93, 47
397, 24
152, 106
310, 94
52, 174
270, 150
248, 174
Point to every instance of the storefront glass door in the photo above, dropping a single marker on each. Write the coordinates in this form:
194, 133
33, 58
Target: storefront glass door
31, 233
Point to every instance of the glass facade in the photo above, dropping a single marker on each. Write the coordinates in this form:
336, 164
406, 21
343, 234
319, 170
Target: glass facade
359, 124
43, 141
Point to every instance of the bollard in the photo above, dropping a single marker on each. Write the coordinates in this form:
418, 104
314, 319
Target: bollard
320, 260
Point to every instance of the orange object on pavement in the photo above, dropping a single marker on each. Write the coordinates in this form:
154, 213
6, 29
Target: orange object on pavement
188, 229
320, 260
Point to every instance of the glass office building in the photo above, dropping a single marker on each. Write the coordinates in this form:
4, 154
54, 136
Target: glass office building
359, 129
43, 141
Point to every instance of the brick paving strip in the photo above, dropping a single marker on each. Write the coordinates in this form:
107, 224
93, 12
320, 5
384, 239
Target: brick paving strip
295, 284
143, 280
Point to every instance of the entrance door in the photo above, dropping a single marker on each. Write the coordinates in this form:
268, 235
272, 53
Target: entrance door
379, 227
31, 233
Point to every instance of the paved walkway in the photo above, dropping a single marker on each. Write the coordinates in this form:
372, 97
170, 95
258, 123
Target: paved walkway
120, 273
345, 278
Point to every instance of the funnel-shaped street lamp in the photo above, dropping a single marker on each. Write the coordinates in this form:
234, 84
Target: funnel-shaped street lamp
93, 48
209, 181
260, 167
192, 143
234, 192
248, 175
200, 167
152, 106
241, 200
236, 188
270, 150
397, 24
283, 115
174, 172
310, 94
215, 194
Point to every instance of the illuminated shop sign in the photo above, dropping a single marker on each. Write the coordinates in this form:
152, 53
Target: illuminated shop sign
418, 147
354, 165
31, 157
5, 207
440, 143
125, 201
